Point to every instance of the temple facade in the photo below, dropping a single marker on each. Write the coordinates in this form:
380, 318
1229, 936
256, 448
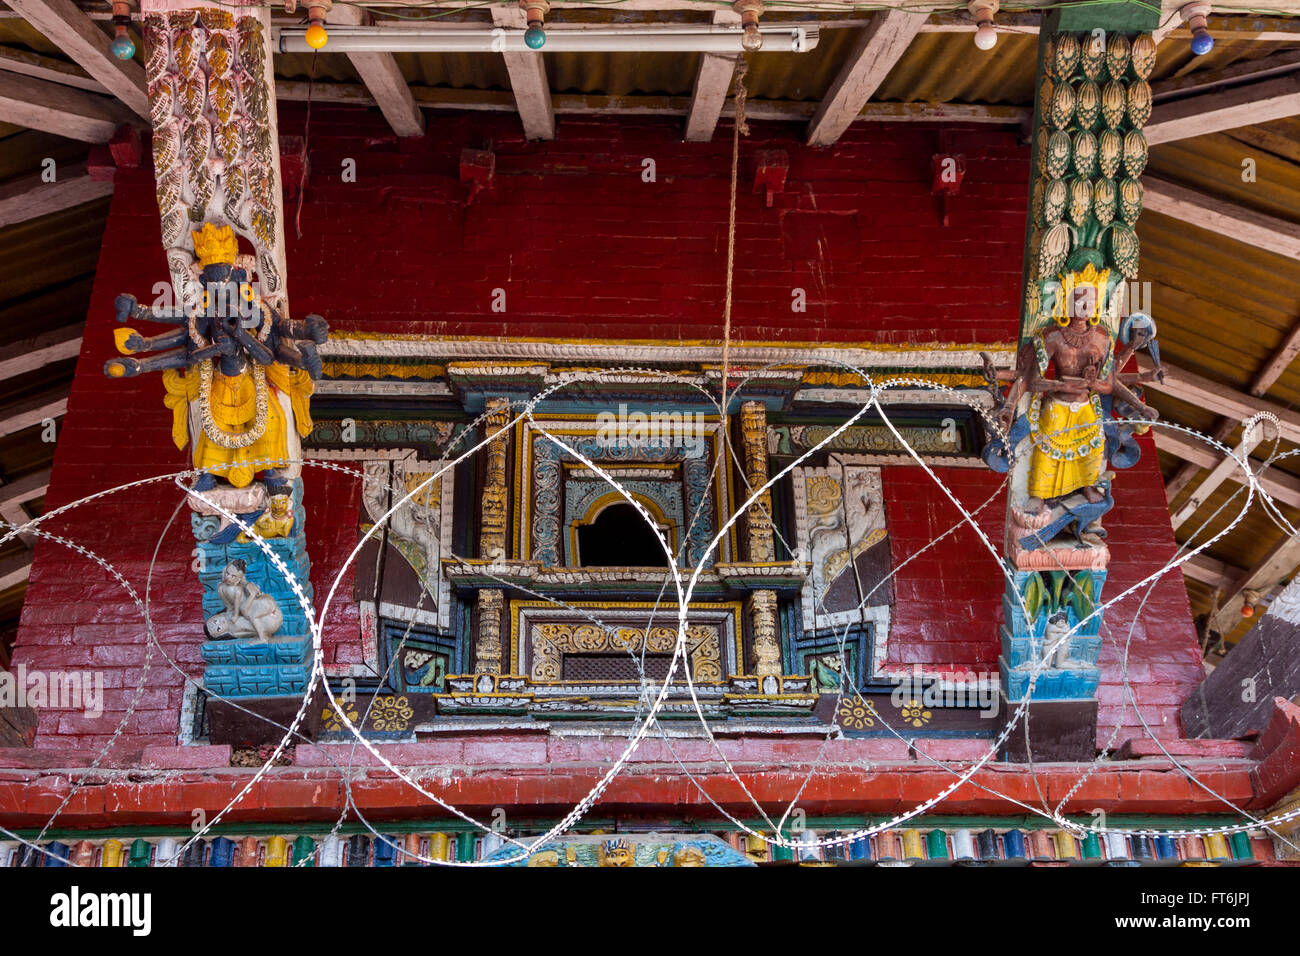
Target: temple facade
608, 499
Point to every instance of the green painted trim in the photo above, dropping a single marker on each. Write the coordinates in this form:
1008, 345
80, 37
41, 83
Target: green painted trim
1127, 16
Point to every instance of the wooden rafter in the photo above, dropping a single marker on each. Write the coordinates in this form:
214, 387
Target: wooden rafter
39, 351
382, 77
65, 25
32, 197
878, 48
1217, 574
1280, 562
712, 81
528, 80
1279, 484
1226, 218
15, 571
45, 68
58, 109
22, 415
1228, 468
1198, 390
1214, 112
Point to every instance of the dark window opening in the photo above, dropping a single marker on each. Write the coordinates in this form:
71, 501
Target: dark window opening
620, 538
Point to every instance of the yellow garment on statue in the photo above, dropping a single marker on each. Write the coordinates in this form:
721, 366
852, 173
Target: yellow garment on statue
1069, 448
233, 405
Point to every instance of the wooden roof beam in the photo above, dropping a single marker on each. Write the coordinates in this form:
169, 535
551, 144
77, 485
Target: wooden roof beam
1278, 564
528, 81
22, 415
1217, 215
1244, 105
381, 76
45, 68
1224, 470
24, 489
1226, 400
1279, 484
32, 197
39, 351
712, 81
65, 25
1217, 574
15, 571
879, 47
61, 110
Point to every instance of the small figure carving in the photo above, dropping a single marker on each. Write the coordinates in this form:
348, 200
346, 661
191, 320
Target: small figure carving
615, 853
276, 522
249, 613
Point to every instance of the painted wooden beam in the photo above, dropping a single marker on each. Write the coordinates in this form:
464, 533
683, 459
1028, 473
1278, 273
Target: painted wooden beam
1217, 215
1224, 470
1217, 574
712, 81
64, 24
1204, 113
31, 197
1226, 400
382, 77
22, 415
62, 110
22, 490
1236, 74
39, 351
1279, 484
878, 48
528, 80
45, 68
588, 104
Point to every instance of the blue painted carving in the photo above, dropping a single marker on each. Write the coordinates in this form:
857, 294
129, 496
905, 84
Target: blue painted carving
547, 461
580, 495
1023, 639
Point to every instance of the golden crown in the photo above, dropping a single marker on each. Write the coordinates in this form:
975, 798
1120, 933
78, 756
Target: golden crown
1088, 277
215, 245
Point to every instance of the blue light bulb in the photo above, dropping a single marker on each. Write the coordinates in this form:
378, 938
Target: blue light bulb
123, 46
535, 37
1202, 42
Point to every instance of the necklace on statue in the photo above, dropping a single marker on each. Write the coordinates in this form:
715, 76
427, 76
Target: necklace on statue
1076, 340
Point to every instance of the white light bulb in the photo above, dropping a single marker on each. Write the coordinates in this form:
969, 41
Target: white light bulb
986, 36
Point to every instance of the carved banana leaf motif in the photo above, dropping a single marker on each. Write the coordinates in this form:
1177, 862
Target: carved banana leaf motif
268, 274
1054, 202
219, 55
202, 184
1144, 56
173, 227
1130, 200
262, 185
1041, 139
1135, 153
1046, 90
188, 51
1117, 54
1092, 57
1058, 154
1124, 249
1080, 201
162, 99
1036, 200
181, 21
1110, 152
214, 18
157, 48
1049, 59
221, 93
1033, 300
193, 91
1067, 55
234, 186
1104, 200
227, 141
250, 48
262, 222
1085, 153
1054, 249
1087, 105
1139, 103
198, 140
1113, 104
167, 144
167, 187
1062, 105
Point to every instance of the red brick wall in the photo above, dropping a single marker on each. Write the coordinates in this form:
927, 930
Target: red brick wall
583, 248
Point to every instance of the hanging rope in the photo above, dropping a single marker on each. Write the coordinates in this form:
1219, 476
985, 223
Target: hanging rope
738, 128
